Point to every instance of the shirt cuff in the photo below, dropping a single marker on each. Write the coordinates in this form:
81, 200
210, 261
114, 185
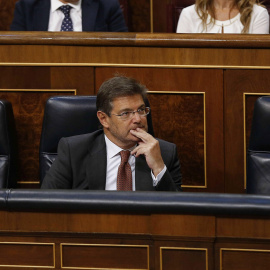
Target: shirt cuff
159, 176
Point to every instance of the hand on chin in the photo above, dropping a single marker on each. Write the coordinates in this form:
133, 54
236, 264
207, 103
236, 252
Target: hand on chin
134, 138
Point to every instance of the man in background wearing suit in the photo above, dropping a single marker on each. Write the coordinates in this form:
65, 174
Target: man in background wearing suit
94, 161
83, 15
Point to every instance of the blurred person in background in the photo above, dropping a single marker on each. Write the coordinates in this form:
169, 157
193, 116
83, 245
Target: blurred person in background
224, 16
68, 15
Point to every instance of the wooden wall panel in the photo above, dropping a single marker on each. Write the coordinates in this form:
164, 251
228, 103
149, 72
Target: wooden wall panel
184, 258
195, 226
6, 13
198, 253
25, 77
135, 48
68, 77
244, 259
249, 101
185, 128
95, 239
24, 254
183, 107
46, 77
28, 88
28, 107
160, 15
105, 256
139, 15
258, 228
66, 223
242, 87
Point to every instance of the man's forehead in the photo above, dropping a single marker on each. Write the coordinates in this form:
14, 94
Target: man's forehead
128, 99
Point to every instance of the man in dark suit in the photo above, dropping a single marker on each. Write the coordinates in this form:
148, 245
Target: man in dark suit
93, 161
86, 15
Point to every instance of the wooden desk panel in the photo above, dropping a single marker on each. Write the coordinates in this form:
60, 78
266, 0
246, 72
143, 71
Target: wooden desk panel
64, 240
102, 56
26, 254
105, 256
180, 258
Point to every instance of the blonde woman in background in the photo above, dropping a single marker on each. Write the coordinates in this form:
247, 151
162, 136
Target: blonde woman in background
224, 16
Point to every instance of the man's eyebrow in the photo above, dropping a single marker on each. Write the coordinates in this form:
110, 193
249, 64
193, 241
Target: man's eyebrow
131, 110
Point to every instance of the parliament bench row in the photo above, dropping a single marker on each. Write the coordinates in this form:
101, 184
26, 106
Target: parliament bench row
134, 202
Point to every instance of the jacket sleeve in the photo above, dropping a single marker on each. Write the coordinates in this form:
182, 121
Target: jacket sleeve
116, 21
172, 179
18, 23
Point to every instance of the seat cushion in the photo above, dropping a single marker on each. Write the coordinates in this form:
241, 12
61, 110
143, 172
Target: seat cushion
258, 173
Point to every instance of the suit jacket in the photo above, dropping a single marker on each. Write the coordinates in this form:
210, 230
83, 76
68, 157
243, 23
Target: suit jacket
82, 161
97, 15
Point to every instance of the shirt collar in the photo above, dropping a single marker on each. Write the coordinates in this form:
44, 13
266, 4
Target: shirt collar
55, 4
113, 149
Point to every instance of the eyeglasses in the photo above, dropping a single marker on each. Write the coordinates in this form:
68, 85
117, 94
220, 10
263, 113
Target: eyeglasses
128, 115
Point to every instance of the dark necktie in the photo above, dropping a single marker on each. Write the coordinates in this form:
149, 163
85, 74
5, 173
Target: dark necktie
67, 22
124, 176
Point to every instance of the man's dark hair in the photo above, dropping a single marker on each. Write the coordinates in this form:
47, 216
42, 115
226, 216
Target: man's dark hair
119, 86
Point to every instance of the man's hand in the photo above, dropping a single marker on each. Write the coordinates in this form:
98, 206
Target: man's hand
149, 147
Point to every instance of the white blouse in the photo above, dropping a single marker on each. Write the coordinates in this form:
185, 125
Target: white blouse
190, 22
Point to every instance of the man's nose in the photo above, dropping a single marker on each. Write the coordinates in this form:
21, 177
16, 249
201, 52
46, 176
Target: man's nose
136, 117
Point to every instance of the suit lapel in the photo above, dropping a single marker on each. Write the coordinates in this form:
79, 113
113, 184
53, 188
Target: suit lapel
96, 164
41, 16
143, 178
89, 14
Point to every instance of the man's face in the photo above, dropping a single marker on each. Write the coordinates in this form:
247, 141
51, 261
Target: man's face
117, 129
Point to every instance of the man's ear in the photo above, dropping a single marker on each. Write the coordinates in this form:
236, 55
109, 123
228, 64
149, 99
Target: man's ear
103, 118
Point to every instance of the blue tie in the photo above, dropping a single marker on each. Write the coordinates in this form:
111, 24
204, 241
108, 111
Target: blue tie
67, 22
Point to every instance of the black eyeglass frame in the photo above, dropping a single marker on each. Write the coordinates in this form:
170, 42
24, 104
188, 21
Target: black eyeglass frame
129, 115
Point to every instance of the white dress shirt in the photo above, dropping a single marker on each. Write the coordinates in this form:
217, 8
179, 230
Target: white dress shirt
113, 162
190, 22
57, 16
